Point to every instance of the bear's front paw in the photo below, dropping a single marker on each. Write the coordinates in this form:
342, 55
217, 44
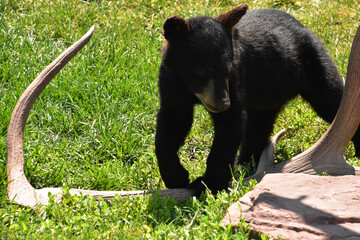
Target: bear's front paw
199, 185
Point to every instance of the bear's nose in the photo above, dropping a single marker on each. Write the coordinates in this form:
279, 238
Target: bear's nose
223, 105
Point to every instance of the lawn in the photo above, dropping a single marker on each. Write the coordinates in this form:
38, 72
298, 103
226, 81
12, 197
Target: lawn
93, 127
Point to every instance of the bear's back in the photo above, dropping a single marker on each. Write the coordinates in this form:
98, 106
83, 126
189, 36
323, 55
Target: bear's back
273, 49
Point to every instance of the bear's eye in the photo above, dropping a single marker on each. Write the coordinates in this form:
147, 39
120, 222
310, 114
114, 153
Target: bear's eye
204, 69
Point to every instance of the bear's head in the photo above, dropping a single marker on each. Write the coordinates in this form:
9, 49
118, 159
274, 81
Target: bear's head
199, 51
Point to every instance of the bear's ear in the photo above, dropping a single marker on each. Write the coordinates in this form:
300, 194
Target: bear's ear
229, 19
175, 27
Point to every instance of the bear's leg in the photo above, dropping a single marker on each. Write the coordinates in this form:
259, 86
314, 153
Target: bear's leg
228, 132
324, 93
258, 128
326, 101
171, 129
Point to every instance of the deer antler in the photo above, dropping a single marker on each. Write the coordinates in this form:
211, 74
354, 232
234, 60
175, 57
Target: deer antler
20, 190
326, 155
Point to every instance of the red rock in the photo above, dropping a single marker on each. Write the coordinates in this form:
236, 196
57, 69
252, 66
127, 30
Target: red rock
299, 206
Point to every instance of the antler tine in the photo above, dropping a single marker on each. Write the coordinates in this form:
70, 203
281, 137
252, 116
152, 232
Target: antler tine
19, 189
326, 155
267, 158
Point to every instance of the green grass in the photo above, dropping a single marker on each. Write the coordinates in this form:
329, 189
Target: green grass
93, 127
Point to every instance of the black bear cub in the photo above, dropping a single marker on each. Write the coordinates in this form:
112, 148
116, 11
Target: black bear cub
243, 67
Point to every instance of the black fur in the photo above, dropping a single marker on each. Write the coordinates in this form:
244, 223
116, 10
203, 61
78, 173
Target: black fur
266, 59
